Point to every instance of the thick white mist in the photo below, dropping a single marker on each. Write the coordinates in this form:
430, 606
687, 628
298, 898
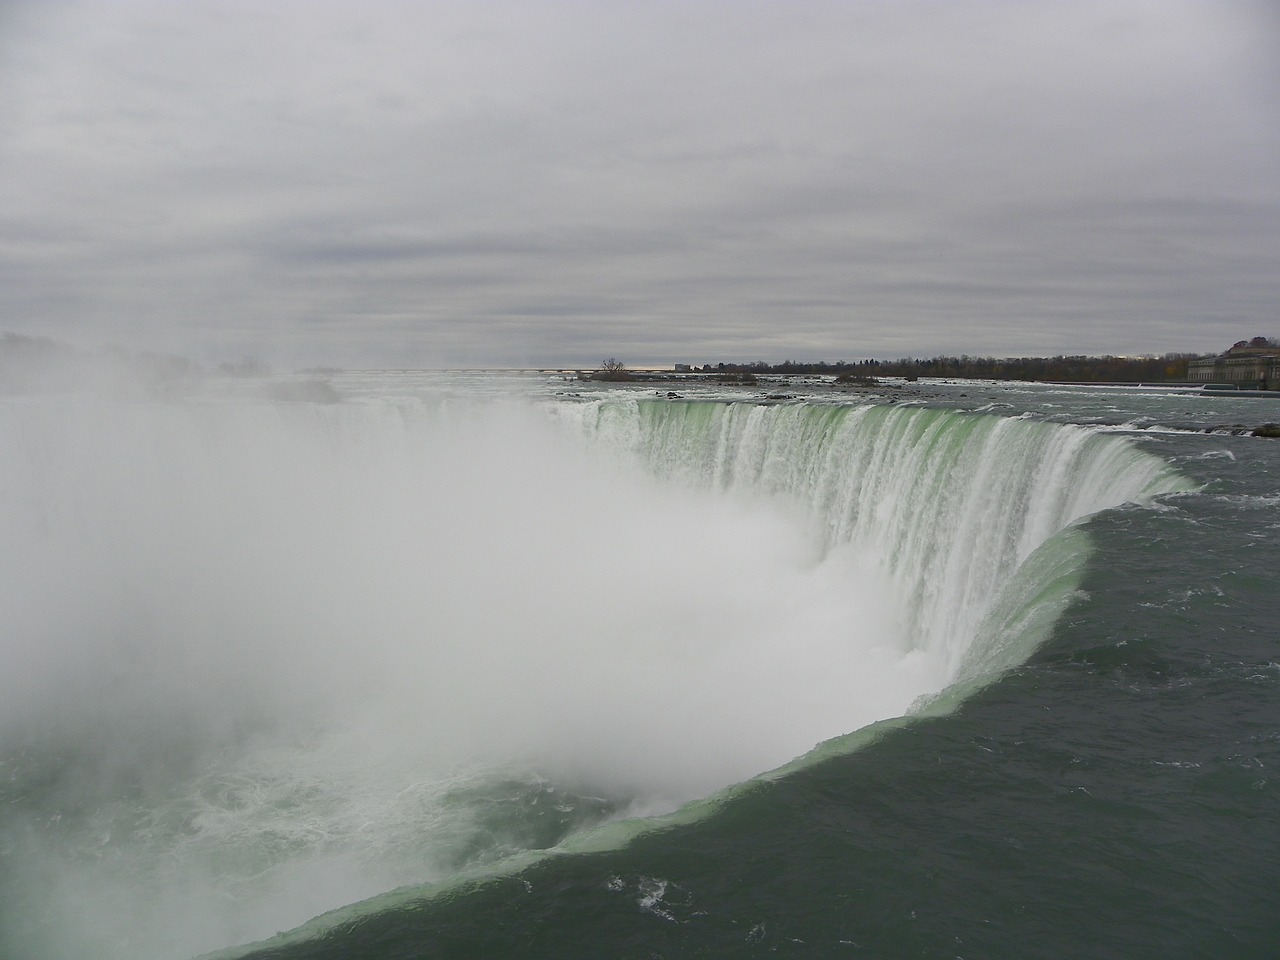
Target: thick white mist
260, 648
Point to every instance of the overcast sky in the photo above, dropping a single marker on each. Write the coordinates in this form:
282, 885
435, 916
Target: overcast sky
538, 183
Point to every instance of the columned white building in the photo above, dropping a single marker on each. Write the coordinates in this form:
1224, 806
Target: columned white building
1250, 363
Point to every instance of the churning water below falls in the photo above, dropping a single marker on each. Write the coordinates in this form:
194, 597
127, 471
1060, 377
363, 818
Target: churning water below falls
466, 666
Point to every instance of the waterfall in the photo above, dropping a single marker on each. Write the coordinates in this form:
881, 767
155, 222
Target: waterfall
263, 659
950, 504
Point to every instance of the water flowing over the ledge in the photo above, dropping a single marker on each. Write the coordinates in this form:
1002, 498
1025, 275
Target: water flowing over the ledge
951, 504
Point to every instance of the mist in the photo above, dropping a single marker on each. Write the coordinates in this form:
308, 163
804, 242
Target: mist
254, 652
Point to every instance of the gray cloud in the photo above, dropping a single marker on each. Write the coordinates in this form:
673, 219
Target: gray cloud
553, 182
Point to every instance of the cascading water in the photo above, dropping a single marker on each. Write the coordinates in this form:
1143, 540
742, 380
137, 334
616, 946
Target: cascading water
949, 504
264, 659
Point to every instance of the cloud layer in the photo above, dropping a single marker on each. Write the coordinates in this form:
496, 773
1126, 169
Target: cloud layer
552, 182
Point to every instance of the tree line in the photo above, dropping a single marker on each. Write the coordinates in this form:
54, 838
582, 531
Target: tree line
1074, 369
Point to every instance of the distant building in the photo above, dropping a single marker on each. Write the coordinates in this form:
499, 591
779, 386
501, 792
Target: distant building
1249, 363
682, 368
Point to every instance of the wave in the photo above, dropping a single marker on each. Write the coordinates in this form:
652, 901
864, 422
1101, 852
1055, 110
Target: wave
265, 659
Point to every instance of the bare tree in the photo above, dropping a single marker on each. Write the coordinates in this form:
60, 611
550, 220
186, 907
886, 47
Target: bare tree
612, 369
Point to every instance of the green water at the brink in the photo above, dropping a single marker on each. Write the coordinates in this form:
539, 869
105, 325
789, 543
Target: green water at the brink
1117, 796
